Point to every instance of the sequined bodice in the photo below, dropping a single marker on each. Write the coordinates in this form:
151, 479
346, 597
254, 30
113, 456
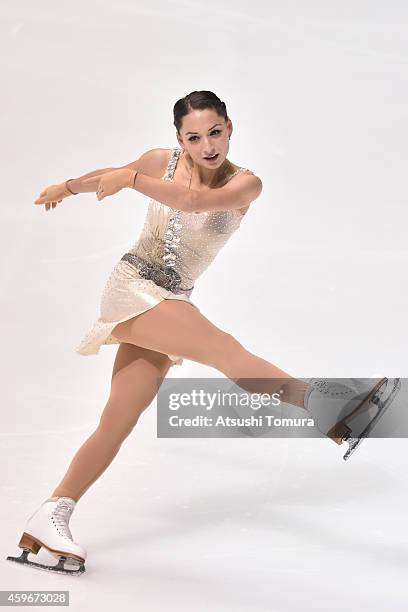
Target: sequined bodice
181, 241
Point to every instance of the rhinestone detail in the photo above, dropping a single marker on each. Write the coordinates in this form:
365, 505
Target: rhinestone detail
174, 224
167, 278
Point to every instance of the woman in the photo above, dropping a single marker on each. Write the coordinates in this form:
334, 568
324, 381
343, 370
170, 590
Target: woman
198, 200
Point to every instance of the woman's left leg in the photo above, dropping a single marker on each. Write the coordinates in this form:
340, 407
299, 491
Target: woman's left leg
255, 374
176, 327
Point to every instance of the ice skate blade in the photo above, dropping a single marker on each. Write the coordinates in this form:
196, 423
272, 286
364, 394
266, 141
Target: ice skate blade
340, 430
383, 404
59, 568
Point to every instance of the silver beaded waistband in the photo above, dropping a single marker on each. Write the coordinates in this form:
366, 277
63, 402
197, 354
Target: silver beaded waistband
164, 277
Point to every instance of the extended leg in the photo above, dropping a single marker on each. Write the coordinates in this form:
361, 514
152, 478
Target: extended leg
175, 327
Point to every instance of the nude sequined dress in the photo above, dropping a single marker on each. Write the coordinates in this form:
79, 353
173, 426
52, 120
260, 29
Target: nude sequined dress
173, 250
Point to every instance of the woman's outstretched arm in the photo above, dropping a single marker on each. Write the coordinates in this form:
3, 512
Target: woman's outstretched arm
237, 193
53, 194
144, 170
76, 185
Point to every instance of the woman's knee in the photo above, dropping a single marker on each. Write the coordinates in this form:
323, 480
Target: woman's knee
119, 418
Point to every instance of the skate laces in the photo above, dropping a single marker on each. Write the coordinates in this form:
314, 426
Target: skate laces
60, 517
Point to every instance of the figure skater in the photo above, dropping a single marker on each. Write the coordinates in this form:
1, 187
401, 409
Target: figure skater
198, 200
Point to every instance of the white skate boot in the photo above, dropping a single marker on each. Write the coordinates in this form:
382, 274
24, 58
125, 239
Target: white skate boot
48, 527
333, 405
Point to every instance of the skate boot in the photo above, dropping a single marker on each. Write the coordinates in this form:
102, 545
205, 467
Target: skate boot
333, 405
48, 527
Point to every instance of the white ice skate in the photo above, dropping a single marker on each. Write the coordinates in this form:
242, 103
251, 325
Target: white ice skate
333, 405
48, 527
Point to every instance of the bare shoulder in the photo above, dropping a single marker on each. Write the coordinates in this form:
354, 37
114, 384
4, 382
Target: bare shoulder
153, 162
250, 186
247, 183
237, 194
239, 177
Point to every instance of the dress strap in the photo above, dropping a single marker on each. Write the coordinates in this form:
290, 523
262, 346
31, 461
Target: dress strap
240, 169
171, 166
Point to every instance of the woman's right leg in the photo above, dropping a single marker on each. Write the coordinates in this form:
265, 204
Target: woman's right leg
135, 382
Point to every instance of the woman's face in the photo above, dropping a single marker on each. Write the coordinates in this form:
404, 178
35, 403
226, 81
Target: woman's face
204, 133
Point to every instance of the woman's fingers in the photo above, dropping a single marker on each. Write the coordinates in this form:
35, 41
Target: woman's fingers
52, 205
45, 200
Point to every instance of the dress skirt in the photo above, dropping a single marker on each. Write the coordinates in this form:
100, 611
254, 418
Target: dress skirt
126, 295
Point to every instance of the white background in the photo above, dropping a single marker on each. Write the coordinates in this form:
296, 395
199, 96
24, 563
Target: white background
314, 281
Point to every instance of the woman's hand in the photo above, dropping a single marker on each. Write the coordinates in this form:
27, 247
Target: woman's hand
109, 183
53, 195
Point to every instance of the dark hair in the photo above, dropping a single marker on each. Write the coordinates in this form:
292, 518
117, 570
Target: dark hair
197, 100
